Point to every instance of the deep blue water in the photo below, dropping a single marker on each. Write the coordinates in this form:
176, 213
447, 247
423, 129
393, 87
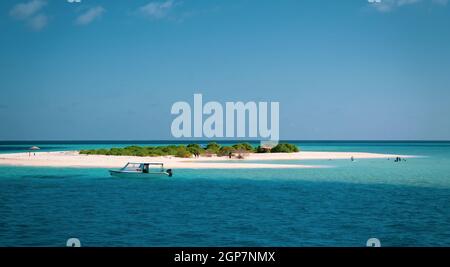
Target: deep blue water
402, 204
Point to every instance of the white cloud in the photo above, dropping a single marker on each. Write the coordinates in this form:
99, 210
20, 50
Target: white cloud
390, 5
38, 22
90, 15
406, 2
157, 10
441, 2
26, 10
30, 12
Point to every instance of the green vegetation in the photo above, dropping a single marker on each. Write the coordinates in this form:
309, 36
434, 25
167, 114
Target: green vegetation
195, 149
213, 148
225, 151
183, 152
188, 151
244, 147
140, 151
284, 148
260, 149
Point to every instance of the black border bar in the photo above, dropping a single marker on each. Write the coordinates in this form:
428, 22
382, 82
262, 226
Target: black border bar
273, 255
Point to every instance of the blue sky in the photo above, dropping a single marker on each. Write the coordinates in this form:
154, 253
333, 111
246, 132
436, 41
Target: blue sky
112, 69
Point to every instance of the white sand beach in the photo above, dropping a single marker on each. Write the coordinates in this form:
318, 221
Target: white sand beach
74, 159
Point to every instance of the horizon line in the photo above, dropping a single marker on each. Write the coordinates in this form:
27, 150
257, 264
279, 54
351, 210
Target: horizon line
225, 140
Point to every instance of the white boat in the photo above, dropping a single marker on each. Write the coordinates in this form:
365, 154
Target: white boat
142, 170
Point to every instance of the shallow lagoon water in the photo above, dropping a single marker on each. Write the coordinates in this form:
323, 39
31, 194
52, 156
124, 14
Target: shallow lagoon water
402, 204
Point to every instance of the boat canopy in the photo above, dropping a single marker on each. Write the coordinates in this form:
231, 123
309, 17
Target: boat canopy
147, 163
141, 167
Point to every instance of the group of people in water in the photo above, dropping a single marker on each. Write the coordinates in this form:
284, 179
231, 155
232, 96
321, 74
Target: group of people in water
398, 159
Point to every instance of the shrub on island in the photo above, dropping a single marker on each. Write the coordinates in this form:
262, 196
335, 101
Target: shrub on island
244, 147
261, 149
195, 149
213, 148
183, 152
284, 148
225, 151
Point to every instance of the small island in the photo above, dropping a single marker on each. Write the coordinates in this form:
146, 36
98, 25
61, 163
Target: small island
191, 156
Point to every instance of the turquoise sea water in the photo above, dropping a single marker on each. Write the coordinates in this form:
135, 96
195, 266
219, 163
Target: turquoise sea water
402, 204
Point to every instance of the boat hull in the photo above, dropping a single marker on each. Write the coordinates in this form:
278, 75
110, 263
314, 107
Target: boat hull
121, 174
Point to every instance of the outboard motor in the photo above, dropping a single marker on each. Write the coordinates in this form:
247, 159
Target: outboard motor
169, 171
